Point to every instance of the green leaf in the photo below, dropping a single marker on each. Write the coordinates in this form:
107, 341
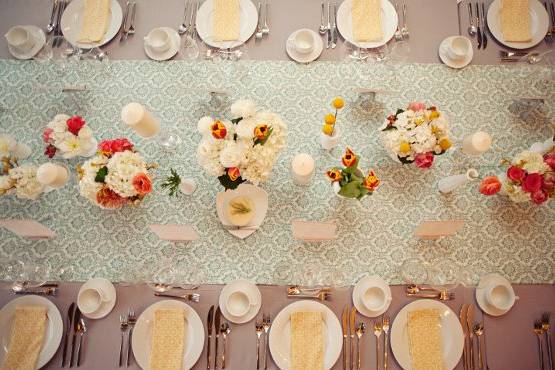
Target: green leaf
236, 120
390, 127
228, 184
101, 174
363, 192
404, 160
351, 190
172, 183
399, 111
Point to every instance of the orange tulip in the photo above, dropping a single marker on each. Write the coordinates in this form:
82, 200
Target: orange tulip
371, 182
334, 175
349, 158
233, 173
218, 130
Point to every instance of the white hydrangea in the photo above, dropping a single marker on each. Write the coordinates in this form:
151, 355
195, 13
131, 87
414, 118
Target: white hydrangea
88, 187
243, 108
122, 168
531, 162
234, 154
7, 145
245, 128
204, 124
25, 182
515, 193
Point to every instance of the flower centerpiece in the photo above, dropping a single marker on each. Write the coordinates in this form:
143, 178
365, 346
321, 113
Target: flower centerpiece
330, 134
16, 178
530, 177
416, 134
349, 181
70, 136
117, 175
243, 149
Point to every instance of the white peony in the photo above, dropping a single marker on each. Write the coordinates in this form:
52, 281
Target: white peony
531, 162
243, 108
6, 183
245, 128
71, 146
515, 193
85, 133
233, 154
26, 183
204, 124
88, 187
22, 151
7, 145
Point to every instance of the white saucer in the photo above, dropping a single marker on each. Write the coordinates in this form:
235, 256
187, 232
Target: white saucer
40, 39
249, 288
368, 281
106, 307
485, 281
174, 48
457, 64
304, 58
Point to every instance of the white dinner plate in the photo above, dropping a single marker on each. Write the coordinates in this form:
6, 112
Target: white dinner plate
72, 21
451, 334
280, 334
539, 21
248, 22
54, 326
345, 24
142, 334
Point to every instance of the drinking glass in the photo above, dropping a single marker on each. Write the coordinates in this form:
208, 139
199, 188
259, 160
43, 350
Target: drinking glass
414, 271
444, 275
30, 274
168, 139
188, 277
190, 48
162, 279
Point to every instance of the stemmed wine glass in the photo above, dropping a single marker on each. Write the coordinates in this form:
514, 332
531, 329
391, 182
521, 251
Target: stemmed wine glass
444, 276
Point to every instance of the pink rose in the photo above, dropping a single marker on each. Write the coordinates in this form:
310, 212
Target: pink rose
516, 173
549, 182
539, 196
414, 106
549, 159
74, 124
424, 160
50, 151
114, 146
490, 185
46, 134
532, 182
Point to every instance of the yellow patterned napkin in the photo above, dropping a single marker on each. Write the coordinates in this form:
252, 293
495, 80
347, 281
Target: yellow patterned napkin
425, 340
27, 336
367, 20
168, 340
515, 21
307, 342
227, 20
96, 18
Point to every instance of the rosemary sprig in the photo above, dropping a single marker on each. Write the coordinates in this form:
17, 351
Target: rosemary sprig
171, 183
239, 208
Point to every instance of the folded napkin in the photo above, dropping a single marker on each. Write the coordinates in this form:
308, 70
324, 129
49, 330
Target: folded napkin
515, 20
307, 342
367, 20
227, 20
26, 338
168, 340
425, 340
96, 18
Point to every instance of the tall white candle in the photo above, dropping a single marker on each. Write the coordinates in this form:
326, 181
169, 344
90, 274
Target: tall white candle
52, 175
302, 168
140, 119
477, 143
450, 183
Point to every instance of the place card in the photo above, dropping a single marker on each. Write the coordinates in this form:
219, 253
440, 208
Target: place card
175, 232
437, 229
27, 228
312, 231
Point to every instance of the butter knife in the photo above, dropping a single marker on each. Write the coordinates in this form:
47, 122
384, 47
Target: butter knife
470, 327
69, 321
462, 319
352, 329
123, 28
345, 326
334, 28
479, 32
75, 326
209, 322
217, 318
484, 28
328, 28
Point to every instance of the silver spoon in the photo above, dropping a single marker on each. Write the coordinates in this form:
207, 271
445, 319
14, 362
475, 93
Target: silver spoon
471, 28
398, 34
405, 29
183, 27
225, 329
322, 29
50, 26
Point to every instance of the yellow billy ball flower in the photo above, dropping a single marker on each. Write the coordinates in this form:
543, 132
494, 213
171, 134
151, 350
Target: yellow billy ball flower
329, 119
435, 129
404, 147
434, 114
327, 129
445, 143
338, 103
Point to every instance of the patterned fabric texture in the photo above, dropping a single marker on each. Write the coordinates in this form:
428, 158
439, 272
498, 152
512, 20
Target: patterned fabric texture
375, 235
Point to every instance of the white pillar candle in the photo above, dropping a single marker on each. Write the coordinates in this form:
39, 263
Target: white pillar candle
450, 183
477, 143
302, 167
52, 175
140, 120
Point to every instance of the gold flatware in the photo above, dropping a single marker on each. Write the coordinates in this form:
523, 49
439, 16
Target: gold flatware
210, 324
352, 328
470, 326
413, 288
538, 329
345, 328
322, 296
377, 333
225, 329
442, 296
191, 297
546, 329
478, 331
259, 328
462, 319
266, 322
299, 289
385, 327
360, 330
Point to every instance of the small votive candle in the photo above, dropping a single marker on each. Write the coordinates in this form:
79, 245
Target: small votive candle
477, 143
140, 120
302, 167
52, 175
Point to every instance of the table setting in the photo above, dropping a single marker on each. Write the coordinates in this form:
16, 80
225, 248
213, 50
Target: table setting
239, 184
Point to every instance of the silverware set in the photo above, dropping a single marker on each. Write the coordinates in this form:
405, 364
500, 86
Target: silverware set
519, 56
478, 25
551, 29
473, 332
127, 323
262, 28
542, 329
47, 289
216, 328
189, 28
402, 32
261, 328
128, 24
422, 291
76, 328
329, 28
320, 293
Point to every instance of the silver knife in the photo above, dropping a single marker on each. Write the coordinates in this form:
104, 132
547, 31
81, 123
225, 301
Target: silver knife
69, 321
484, 28
345, 328
210, 321
470, 327
217, 318
328, 28
462, 319
479, 32
122, 30
75, 326
334, 28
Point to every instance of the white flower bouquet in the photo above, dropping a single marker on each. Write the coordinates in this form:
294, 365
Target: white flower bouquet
22, 181
416, 134
70, 136
243, 149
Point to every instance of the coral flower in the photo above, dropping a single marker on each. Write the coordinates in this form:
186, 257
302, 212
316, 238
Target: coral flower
490, 185
349, 158
141, 182
108, 198
218, 130
415, 107
114, 146
261, 131
371, 182
74, 124
334, 175
424, 160
46, 134
233, 173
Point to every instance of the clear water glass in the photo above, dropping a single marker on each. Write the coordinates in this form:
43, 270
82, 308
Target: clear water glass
444, 275
162, 279
168, 140
414, 271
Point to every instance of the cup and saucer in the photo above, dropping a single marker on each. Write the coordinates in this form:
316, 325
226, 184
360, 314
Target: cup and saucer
456, 51
372, 296
240, 301
162, 43
96, 298
304, 45
24, 42
495, 295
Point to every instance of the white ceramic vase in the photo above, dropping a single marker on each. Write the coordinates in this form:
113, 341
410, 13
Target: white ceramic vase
330, 142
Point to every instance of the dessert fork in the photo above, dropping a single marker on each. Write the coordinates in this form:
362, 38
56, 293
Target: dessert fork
385, 327
191, 297
266, 322
266, 28
378, 332
131, 320
123, 328
538, 329
546, 329
259, 327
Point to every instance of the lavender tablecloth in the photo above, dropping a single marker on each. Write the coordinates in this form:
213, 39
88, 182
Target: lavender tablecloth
510, 342
428, 21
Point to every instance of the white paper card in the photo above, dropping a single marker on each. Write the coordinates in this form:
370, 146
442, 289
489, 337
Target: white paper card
314, 231
27, 228
175, 232
436, 229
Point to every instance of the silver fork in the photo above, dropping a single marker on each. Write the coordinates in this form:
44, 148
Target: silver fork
131, 320
259, 327
405, 29
398, 34
123, 328
266, 322
549, 33
183, 27
191, 297
131, 29
258, 35
266, 29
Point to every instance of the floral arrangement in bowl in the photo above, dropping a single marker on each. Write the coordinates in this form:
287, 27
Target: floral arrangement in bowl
117, 175
416, 135
16, 178
530, 177
70, 136
242, 149
349, 181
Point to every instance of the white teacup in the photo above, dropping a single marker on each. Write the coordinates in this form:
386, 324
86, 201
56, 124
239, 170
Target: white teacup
90, 300
303, 42
238, 303
500, 296
158, 40
458, 48
374, 298
20, 39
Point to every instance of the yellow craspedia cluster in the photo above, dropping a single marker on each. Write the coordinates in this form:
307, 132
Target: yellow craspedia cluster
404, 147
445, 143
329, 119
